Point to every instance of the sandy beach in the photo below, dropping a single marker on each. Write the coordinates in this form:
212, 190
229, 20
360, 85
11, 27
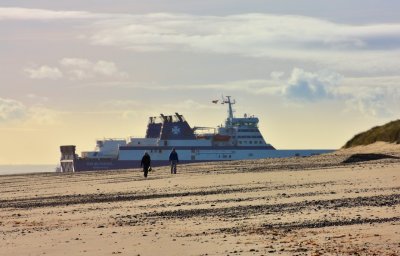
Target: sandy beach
297, 206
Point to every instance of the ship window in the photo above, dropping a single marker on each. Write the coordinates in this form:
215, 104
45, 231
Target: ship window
138, 143
240, 142
250, 142
250, 154
229, 156
160, 151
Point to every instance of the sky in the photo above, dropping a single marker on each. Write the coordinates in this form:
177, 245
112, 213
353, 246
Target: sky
315, 72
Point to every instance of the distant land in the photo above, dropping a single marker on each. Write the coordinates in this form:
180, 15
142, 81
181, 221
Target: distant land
389, 132
26, 168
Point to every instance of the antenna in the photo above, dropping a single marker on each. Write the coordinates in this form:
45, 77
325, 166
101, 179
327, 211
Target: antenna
230, 103
227, 100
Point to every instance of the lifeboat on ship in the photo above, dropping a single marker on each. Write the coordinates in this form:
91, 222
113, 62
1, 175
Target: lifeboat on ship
204, 136
220, 137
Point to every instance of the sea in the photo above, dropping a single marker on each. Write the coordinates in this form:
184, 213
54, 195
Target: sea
20, 169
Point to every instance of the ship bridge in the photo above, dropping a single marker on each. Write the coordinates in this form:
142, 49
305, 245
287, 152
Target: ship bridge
245, 121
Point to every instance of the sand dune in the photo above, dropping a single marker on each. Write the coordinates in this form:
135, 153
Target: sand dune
377, 147
298, 206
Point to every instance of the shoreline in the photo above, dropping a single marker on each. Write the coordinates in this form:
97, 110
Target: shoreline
11, 169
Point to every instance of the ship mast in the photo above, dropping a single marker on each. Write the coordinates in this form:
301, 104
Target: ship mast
230, 109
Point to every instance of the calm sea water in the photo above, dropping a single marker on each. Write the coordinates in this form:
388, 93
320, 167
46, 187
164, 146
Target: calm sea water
18, 169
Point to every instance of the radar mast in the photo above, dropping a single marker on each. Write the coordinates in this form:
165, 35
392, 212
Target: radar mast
228, 101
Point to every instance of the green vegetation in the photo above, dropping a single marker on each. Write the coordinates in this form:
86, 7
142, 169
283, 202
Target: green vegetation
389, 132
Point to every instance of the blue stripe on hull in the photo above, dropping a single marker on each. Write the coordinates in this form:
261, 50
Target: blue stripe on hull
86, 164
197, 148
113, 164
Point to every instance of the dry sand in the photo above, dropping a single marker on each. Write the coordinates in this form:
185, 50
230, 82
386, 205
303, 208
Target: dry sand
297, 206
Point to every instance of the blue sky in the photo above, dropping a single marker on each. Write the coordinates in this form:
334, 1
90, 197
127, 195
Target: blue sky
315, 72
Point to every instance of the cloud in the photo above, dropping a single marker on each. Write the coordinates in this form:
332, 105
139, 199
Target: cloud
378, 101
341, 46
76, 63
16, 13
77, 69
371, 48
80, 68
276, 75
11, 110
44, 72
310, 86
370, 96
369, 105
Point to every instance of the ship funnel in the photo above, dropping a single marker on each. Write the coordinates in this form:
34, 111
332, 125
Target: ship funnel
177, 129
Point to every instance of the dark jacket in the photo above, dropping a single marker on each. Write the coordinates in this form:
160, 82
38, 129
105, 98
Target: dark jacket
173, 156
145, 160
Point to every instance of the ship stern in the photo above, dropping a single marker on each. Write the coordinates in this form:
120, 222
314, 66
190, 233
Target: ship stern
68, 157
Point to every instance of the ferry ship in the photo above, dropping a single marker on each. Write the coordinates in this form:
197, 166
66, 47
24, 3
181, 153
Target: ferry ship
238, 139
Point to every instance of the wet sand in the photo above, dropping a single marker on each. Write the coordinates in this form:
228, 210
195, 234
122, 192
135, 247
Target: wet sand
298, 206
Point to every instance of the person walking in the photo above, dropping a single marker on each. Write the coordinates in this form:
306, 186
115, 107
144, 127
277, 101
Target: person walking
146, 161
173, 159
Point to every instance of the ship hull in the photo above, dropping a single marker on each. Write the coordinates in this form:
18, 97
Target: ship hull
87, 164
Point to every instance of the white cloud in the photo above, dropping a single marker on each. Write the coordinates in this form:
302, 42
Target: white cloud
11, 110
44, 72
371, 48
16, 13
106, 68
304, 85
370, 96
76, 63
276, 75
340, 46
378, 100
77, 69
80, 68
369, 105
